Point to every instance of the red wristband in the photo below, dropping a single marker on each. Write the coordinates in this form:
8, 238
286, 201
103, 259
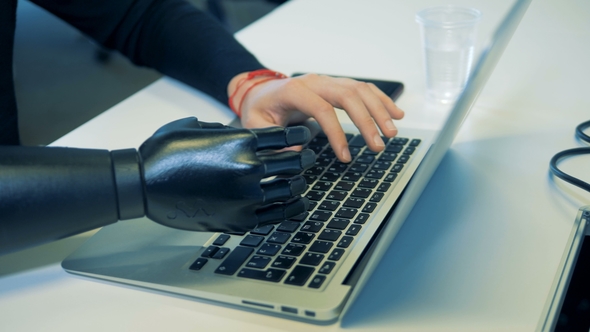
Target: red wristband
271, 74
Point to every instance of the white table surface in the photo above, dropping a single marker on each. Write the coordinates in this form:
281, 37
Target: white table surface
482, 247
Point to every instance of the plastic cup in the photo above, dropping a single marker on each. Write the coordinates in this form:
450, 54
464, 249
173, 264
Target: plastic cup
448, 39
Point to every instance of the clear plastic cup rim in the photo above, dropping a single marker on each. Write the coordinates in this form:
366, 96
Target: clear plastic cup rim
425, 16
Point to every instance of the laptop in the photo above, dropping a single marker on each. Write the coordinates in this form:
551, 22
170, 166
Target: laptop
310, 267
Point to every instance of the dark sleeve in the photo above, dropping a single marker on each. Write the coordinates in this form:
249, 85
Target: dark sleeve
171, 36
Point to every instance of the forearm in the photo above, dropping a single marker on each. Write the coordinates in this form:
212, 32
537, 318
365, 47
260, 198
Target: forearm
50, 193
171, 36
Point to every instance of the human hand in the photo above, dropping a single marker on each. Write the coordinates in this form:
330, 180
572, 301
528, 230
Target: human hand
207, 177
292, 100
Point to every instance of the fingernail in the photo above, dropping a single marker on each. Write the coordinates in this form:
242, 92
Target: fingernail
378, 141
346, 155
389, 124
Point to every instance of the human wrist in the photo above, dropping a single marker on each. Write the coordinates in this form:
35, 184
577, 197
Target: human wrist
241, 84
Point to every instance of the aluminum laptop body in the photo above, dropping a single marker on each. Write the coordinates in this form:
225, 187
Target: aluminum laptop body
145, 254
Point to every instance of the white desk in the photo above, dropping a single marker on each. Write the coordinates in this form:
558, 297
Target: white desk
482, 247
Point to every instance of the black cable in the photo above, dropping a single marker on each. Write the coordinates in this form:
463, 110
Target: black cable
580, 131
564, 176
572, 152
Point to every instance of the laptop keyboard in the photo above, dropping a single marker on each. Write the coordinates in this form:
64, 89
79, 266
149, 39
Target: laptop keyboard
306, 250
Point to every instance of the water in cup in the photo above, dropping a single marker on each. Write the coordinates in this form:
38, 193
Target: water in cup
448, 38
447, 71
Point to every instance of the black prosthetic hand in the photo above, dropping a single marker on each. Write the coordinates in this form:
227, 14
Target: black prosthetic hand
209, 177
189, 175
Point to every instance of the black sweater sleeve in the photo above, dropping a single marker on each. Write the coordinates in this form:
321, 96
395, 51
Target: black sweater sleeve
171, 36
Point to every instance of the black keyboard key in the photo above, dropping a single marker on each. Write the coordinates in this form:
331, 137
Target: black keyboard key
403, 159
221, 253
354, 151
316, 170
361, 192
269, 249
354, 202
358, 167
399, 140
409, 150
315, 195
303, 237
337, 195
338, 223
299, 275
344, 185
284, 262
397, 168
365, 159
330, 176
263, 230
317, 281
383, 187
321, 246
369, 183
221, 240
354, 229
235, 259
271, 275
336, 254
322, 186
293, 249
361, 218
338, 168
252, 241
394, 149
309, 179
390, 177
328, 153
323, 161
377, 197
415, 142
312, 226
210, 251
316, 148
352, 176
330, 235
312, 205
383, 165
311, 259
345, 242
388, 156
376, 173
329, 205
198, 264
258, 262
357, 141
327, 267
319, 215
288, 226
347, 213
279, 237
369, 207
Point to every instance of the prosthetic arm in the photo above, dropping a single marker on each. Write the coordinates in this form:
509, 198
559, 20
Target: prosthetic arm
189, 175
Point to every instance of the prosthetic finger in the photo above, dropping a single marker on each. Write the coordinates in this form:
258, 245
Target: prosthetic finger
283, 189
278, 212
289, 162
278, 138
180, 124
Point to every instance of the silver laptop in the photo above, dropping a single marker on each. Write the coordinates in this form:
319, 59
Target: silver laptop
309, 267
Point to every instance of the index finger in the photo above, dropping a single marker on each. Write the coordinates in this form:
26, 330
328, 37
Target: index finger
311, 104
